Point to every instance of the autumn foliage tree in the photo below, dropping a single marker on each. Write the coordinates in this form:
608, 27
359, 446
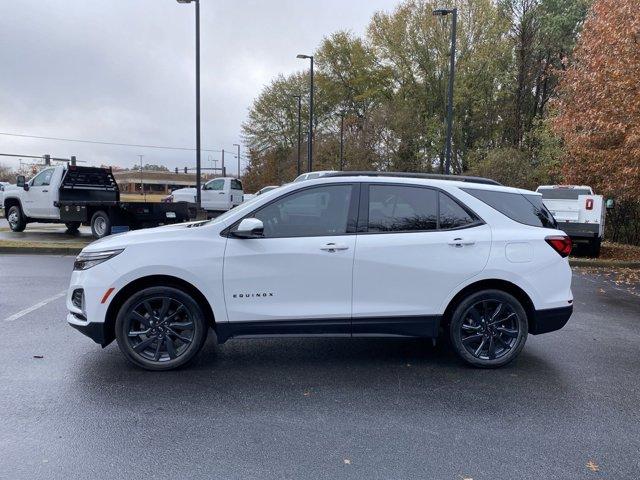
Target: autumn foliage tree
599, 105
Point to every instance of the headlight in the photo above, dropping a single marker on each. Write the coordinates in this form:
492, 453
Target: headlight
87, 260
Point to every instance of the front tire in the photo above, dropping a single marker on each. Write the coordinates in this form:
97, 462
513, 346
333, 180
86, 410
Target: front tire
489, 329
100, 224
160, 328
16, 219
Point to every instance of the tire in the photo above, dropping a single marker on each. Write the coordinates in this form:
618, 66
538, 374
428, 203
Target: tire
16, 219
595, 245
485, 342
100, 224
72, 227
164, 341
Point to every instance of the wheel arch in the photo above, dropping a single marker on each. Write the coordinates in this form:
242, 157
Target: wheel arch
152, 281
10, 202
493, 284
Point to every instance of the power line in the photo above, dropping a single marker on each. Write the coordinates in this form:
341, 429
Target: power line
100, 142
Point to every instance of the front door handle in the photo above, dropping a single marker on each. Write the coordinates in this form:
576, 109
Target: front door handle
333, 247
220, 193
461, 242
45, 191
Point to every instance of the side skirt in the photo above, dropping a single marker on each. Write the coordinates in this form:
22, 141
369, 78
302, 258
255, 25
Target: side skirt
410, 326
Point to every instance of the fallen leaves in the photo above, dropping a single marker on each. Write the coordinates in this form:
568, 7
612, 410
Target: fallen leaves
594, 467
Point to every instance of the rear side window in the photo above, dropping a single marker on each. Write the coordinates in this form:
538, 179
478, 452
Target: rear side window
236, 185
452, 215
394, 208
525, 209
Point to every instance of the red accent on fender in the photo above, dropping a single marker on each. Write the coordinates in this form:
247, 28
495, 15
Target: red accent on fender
106, 295
561, 244
589, 205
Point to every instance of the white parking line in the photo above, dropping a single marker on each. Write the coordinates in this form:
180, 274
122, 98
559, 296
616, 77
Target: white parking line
32, 308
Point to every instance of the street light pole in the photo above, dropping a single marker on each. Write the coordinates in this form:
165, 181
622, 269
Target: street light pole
298, 166
310, 137
454, 18
238, 145
198, 146
341, 141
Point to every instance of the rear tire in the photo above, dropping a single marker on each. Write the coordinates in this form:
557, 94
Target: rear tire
16, 219
595, 245
100, 224
72, 227
488, 329
160, 328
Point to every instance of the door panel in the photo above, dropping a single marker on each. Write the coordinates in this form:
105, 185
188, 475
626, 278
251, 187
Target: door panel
288, 278
400, 274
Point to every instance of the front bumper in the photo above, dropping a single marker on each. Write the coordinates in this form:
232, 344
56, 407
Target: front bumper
550, 320
95, 331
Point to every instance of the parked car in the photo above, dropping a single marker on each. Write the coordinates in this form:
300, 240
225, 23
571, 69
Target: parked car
3, 185
312, 175
579, 213
345, 255
263, 190
76, 195
217, 195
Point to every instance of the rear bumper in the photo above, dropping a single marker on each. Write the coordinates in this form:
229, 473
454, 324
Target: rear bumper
580, 230
550, 320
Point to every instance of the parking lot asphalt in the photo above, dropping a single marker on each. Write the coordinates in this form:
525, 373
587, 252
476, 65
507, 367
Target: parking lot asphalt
567, 408
45, 232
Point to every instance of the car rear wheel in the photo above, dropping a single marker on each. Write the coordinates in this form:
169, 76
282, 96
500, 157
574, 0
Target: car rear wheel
489, 328
160, 328
16, 219
100, 224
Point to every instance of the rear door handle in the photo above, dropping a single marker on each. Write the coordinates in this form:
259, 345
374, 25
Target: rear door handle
333, 247
45, 191
461, 242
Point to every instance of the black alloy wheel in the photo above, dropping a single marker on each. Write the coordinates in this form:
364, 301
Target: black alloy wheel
160, 328
489, 328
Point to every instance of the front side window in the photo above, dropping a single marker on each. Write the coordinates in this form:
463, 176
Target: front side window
311, 212
43, 178
398, 208
215, 185
525, 209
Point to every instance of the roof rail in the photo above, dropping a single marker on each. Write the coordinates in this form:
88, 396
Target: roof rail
430, 176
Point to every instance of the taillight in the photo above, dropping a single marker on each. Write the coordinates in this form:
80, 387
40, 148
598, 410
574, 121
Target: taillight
589, 205
561, 244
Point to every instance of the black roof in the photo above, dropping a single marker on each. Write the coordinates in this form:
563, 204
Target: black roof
430, 176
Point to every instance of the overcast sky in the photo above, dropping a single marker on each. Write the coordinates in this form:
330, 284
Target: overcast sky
123, 70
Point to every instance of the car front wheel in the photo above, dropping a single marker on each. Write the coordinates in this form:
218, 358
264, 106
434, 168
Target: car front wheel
489, 328
160, 328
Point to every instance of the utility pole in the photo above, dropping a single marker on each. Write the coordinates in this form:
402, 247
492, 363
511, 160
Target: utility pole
310, 137
224, 172
238, 145
298, 165
141, 180
452, 64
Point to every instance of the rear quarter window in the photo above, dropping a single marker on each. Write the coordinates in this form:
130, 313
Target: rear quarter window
525, 209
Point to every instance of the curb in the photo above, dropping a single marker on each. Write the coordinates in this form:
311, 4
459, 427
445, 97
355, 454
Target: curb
584, 262
41, 250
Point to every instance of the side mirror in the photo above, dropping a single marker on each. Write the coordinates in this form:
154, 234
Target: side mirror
20, 181
249, 228
609, 203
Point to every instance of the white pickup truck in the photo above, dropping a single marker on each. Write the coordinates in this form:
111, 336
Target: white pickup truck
579, 213
76, 195
218, 195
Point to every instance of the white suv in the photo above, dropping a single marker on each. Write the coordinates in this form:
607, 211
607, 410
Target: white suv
347, 255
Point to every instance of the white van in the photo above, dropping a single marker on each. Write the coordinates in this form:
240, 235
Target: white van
579, 212
218, 195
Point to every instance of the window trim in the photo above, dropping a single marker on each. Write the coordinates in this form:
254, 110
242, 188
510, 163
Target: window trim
352, 213
363, 215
